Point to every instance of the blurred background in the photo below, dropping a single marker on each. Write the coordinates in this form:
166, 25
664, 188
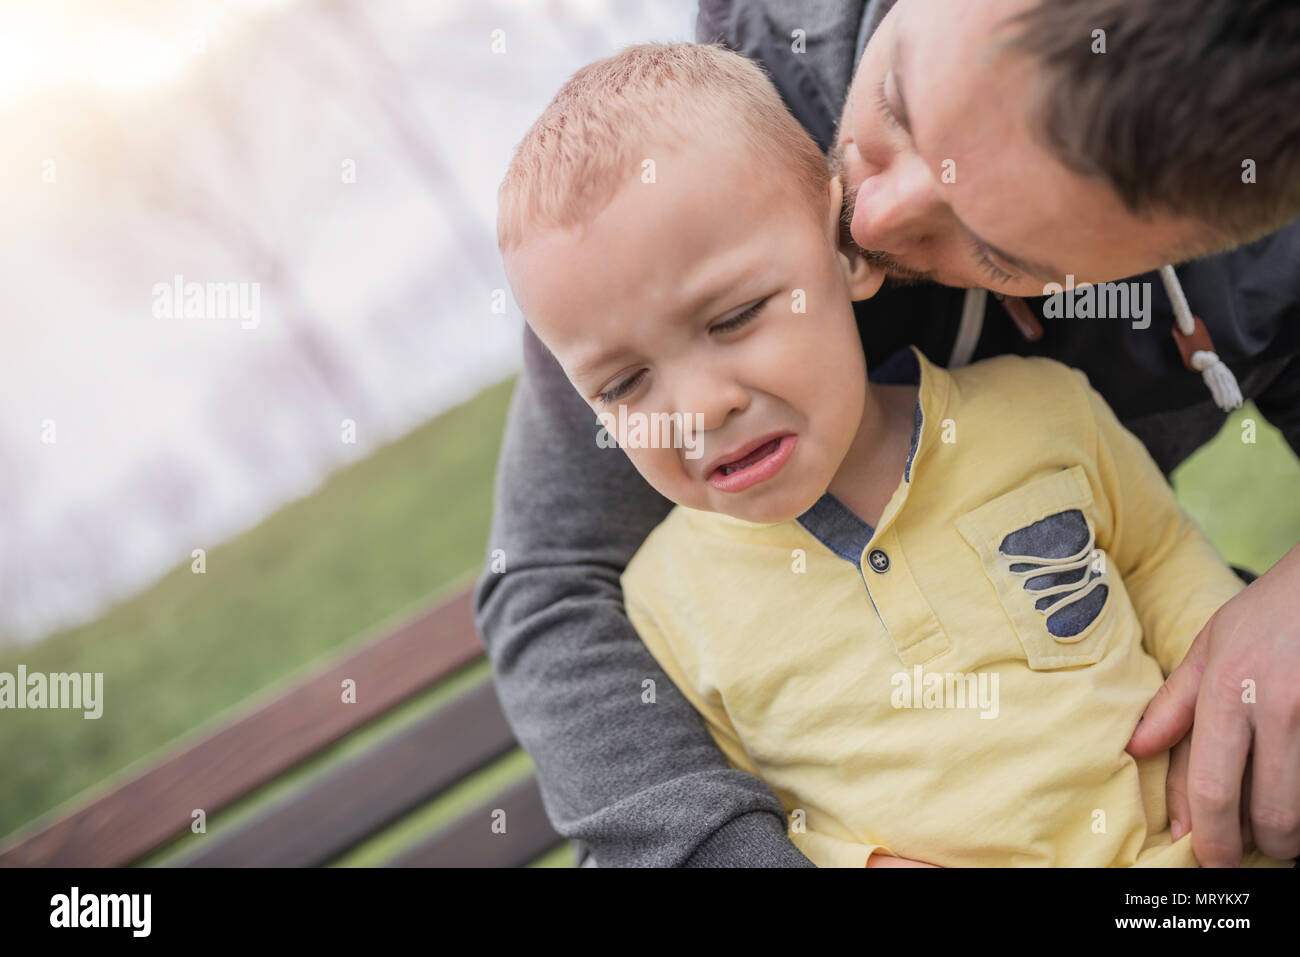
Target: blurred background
331, 453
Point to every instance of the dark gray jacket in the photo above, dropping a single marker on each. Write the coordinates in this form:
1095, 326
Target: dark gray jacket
644, 784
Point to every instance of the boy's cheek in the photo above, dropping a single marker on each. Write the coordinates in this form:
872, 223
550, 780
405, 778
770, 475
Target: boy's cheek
666, 471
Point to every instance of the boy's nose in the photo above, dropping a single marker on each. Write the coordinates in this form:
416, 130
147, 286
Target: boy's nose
713, 395
896, 206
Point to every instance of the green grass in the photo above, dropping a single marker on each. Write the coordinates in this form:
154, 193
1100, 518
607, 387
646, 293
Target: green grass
376, 540
1245, 496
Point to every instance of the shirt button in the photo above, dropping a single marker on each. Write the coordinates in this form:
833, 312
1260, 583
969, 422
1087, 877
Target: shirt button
878, 560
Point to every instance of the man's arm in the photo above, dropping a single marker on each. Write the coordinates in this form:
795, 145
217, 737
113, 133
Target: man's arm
640, 784
1235, 698
1229, 713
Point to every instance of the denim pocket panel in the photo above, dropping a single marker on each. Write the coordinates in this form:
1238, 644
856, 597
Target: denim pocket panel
1038, 549
1073, 579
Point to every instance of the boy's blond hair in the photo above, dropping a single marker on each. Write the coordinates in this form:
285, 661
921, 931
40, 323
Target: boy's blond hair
594, 135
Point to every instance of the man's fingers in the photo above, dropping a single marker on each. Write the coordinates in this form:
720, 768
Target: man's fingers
1244, 815
1171, 712
1220, 746
1274, 803
1180, 812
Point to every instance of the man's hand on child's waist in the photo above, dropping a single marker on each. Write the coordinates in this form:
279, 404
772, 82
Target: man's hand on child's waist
1235, 696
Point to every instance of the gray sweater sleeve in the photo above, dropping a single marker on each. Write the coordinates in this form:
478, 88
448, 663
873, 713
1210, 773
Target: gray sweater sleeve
640, 784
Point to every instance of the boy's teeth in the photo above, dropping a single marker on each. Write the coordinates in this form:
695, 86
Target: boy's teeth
751, 458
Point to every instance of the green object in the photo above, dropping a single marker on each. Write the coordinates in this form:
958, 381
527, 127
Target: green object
1245, 495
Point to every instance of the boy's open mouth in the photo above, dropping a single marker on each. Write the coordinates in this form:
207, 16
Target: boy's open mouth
757, 465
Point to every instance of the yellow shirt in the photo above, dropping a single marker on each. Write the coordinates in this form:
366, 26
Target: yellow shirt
957, 685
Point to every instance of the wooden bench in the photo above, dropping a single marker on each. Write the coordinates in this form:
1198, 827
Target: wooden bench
340, 809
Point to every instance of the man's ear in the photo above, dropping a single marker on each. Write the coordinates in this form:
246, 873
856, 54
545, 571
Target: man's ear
862, 277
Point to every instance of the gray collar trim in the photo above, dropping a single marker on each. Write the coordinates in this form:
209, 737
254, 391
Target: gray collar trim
832, 522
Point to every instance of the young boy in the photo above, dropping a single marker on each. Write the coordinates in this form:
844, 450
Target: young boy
927, 609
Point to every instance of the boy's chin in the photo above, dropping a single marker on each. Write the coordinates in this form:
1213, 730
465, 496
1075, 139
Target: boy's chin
765, 518
767, 513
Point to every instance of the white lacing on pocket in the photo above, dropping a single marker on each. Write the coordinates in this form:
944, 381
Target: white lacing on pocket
1070, 592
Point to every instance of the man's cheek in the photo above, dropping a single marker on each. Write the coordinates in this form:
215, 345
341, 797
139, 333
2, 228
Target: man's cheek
855, 168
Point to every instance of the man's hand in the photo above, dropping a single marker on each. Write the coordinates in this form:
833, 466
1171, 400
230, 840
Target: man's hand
1238, 692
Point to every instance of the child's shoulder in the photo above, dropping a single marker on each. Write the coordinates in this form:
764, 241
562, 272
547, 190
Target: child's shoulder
1025, 388
693, 551
1011, 372
666, 544
662, 577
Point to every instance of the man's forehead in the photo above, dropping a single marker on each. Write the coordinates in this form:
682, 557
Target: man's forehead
950, 38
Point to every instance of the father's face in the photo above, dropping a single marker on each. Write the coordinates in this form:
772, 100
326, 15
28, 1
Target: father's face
952, 185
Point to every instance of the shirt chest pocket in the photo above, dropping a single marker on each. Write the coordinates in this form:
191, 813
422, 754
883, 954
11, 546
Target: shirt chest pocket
1038, 548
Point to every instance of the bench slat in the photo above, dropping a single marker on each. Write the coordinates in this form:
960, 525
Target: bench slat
372, 791
470, 842
145, 812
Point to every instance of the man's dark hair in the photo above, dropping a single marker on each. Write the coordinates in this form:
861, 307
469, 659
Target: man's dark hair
1185, 93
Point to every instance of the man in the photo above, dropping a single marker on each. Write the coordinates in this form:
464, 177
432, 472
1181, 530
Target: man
988, 157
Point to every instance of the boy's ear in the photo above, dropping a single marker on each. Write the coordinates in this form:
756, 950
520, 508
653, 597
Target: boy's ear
863, 278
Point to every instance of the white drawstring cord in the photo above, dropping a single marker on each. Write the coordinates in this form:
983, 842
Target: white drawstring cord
1218, 377
968, 333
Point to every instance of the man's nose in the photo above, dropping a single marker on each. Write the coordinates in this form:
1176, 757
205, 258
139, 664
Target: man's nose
896, 206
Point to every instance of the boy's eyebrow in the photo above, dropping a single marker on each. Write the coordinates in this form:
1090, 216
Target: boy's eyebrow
706, 301
584, 370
